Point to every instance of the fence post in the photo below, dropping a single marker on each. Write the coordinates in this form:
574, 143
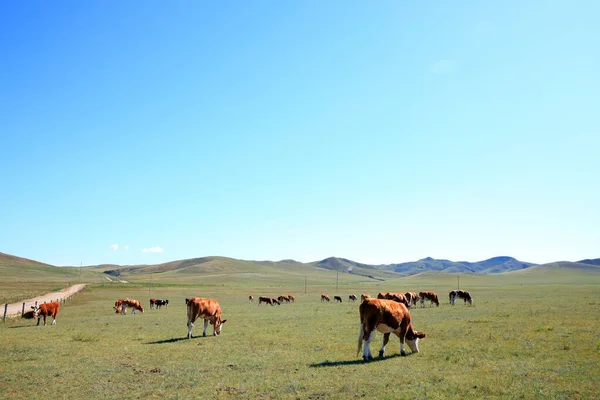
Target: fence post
5, 309
23, 309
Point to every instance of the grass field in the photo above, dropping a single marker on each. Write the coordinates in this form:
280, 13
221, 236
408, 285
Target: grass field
520, 339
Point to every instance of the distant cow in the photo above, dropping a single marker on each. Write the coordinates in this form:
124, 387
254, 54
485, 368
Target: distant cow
292, 298
250, 298
159, 303
397, 297
431, 296
326, 298
461, 294
337, 298
121, 306
386, 316
275, 301
46, 310
283, 298
207, 309
414, 298
152, 303
352, 297
264, 299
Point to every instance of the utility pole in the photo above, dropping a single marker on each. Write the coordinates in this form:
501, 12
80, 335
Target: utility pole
458, 279
305, 285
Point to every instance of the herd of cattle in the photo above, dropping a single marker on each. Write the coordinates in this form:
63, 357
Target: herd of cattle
388, 313
272, 301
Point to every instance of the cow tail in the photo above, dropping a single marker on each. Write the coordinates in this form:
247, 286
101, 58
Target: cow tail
360, 339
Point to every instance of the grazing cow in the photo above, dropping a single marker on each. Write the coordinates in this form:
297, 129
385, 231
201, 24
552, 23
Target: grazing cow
207, 309
121, 306
461, 294
431, 296
337, 298
352, 297
152, 303
250, 298
283, 298
386, 316
46, 310
275, 301
326, 298
398, 297
415, 298
364, 296
292, 298
160, 303
264, 299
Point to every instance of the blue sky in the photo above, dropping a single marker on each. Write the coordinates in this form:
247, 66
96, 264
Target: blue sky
143, 132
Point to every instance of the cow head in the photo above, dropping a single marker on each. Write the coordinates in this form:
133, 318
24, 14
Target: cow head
412, 340
218, 325
36, 311
119, 309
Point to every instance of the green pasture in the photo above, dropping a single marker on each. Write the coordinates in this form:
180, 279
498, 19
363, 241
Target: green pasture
520, 339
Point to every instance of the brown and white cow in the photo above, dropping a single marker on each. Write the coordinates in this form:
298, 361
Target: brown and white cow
283, 298
265, 299
461, 294
250, 298
46, 310
352, 297
386, 316
275, 301
411, 297
415, 298
326, 298
431, 296
207, 309
292, 298
122, 304
397, 297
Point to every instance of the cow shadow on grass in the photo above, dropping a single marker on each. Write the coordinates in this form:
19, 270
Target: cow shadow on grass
175, 340
353, 362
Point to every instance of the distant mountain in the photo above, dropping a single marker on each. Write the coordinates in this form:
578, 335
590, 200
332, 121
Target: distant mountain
595, 261
489, 266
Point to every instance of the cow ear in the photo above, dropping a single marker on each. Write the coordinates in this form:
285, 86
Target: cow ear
32, 307
222, 322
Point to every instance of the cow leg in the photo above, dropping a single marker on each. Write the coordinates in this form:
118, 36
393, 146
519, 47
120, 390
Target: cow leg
205, 326
386, 339
190, 326
44, 319
53, 320
422, 303
367, 356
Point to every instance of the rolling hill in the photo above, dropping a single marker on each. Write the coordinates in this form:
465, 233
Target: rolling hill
204, 267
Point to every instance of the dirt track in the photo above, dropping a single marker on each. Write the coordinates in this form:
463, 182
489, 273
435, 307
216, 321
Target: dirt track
15, 308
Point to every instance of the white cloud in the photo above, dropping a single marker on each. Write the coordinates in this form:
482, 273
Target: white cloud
126, 247
443, 66
155, 249
114, 246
